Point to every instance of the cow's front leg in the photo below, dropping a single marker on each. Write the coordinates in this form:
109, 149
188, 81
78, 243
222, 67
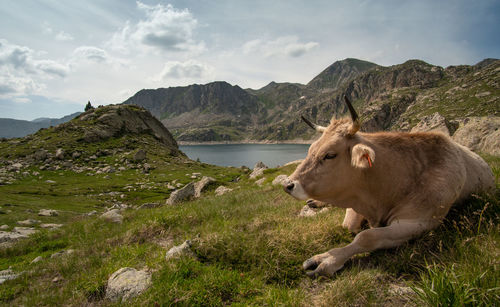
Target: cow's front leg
352, 221
395, 234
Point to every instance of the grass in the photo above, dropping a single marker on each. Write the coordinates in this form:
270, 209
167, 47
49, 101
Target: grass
249, 246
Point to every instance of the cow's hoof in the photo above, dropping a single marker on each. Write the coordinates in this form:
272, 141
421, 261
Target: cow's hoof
312, 203
328, 267
310, 264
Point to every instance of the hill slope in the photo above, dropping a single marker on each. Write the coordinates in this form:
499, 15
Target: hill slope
10, 128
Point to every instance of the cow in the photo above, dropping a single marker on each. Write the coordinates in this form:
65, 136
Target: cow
402, 184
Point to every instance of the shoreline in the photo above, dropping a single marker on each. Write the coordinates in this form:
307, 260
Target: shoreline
304, 142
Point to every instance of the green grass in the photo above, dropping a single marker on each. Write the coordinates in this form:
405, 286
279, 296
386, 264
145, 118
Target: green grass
249, 247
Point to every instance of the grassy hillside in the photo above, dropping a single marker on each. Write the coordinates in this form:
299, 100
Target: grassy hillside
249, 245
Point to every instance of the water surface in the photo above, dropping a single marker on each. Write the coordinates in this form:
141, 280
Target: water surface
246, 154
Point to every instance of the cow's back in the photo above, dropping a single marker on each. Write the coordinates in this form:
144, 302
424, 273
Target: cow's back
479, 175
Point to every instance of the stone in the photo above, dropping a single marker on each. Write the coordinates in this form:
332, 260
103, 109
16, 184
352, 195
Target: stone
50, 181
202, 185
280, 180
307, 211
221, 190
113, 216
4, 227
37, 259
183, 250
108, 169
48, 212
93, 212
59, 154
25, 231
182, 194
139, 156
481, 134
258, 170
76, 155
28, 222
260, 182
400, 291
127, 283
40, 155
8, 275
6, 236
51, 226
16, 167
434, 122
57, 279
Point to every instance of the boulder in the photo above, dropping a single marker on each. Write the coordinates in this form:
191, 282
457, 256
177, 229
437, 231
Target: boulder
202, 185
28, 222
113, 216
51, 226
139, 156
183, 250
260, 182
127, 283
480, 134
7, 236
76, 155
434, 122
4, 227
258, 170
48, 212
40, 155
280, 180
37, 259
59, 154
8, 275
25, 231
221, 190
182, 194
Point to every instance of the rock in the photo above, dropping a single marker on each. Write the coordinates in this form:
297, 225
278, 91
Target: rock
15, 167
202, 185
57, 279
127, 283
260, 181
221, 190
182, 194
62, 253
258, 170
93, 212
51, 226
4, 227
40, 155
76, 155
59, 154
48, 212
308, 211
37, 259
28, 222
113, 216
149, 205
108, 169
50, 181
139, 156
6, 236
434, 122
400, 291
280, 180
480, 134
8, 275
183, 250
25, 231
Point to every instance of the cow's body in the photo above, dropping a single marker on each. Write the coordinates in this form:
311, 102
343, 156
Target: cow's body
402, 183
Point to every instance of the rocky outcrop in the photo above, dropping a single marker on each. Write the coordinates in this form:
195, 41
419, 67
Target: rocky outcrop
435, 122
258, 170
127, 283
481, 134
201, 185
113, 216
180, 195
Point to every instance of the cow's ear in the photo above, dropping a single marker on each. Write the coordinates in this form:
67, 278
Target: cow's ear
362, 156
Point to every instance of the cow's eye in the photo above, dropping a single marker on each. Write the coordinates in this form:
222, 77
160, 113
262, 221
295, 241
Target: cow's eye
329, 156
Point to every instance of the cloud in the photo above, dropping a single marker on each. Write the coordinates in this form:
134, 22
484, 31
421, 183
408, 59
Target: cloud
91, 53
12, 85
63, 36
52, 68
282, 46
190, 69
165, 28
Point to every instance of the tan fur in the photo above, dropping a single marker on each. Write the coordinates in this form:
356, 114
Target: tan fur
412, 183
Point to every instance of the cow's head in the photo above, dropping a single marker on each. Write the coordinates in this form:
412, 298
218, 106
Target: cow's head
333, 162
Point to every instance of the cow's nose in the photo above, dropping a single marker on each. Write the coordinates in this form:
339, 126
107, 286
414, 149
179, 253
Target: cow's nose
289, 187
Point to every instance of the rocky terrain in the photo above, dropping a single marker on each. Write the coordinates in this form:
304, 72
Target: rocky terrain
389, 98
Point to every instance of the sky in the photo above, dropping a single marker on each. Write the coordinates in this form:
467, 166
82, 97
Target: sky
57, 55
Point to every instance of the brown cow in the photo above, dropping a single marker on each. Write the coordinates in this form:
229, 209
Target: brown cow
402, 184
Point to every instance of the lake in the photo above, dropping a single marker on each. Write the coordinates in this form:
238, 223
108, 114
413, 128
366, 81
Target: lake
246, 154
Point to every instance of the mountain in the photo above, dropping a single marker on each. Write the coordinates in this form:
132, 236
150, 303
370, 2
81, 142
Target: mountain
10, 128
394, 97
108, 130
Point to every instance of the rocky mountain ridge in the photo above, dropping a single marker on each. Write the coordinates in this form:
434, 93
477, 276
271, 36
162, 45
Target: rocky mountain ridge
388, 98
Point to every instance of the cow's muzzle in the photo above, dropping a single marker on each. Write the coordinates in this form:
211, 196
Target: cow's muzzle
294, 188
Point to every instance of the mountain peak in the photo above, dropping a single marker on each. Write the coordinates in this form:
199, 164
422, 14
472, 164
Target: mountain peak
340, 72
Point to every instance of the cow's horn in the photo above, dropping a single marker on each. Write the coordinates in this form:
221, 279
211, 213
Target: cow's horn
314, 126
355, 119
